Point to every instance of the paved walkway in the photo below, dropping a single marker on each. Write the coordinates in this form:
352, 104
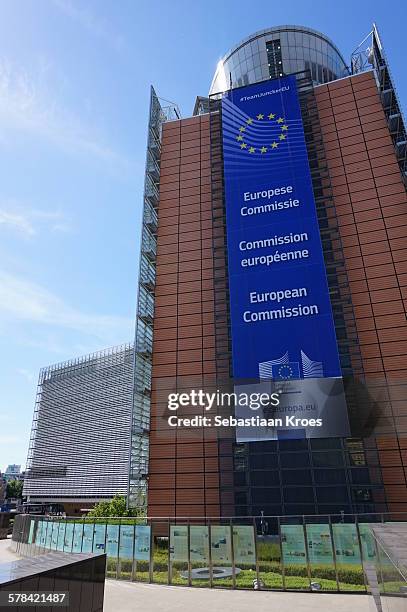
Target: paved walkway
393, 538
6, 554
133, 597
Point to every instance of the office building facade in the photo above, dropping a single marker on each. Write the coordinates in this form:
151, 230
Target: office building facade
13, 472
80, 443
356, 151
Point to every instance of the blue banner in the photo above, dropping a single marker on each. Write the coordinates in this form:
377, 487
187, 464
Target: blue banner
281, 316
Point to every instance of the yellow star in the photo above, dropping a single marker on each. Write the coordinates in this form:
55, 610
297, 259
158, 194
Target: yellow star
284, 128
263, 150
271, 116
260, 116
282, 137
251, 149
249, 121
274, 145
243, 145
242, 129
280, 120
239, 137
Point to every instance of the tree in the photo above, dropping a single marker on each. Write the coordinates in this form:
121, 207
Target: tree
14, 489
101, 509
116, 507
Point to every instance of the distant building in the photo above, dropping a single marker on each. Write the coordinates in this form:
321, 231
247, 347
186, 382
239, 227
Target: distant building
80, 438
3, 488
13, 472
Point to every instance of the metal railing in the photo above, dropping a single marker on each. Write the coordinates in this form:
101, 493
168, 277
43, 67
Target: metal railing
295, 553
386, 574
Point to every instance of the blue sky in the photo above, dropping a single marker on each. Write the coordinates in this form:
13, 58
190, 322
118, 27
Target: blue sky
74, 90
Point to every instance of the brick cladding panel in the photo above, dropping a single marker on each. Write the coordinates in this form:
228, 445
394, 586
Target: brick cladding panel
371, 205
184, 467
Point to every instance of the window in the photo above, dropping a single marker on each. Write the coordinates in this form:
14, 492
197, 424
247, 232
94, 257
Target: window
299, 495
327, 459
240, 479
241, 498
274, 58
297, 460
335, 509
360, 476
362, 495
266, 496
296, 477
254, 46
332, 494
263, 462
293, 445
265, 478
299, 509
325, 443
263, 447
330, 476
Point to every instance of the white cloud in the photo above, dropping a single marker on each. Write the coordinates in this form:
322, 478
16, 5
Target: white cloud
94, 24
16, 221
27, 105
22, 300
29, 221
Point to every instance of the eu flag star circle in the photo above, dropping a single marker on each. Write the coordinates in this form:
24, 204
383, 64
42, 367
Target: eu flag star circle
245, 138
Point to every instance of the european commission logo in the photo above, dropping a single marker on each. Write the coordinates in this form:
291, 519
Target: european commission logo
255, 135
284, 369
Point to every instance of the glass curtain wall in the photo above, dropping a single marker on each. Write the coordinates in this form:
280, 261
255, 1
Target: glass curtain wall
276, 52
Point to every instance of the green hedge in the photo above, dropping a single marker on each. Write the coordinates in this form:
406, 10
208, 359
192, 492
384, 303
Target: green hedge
351, 575
268, 551
244, 581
